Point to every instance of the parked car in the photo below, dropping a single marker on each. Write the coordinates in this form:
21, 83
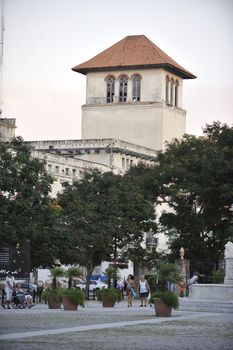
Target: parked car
94, 285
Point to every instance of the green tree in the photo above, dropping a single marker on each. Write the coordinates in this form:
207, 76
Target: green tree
105, 213
26, 209
24, 186
195, 178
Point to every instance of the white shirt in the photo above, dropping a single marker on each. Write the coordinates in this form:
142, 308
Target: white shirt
10, 281
143, 288
192, 280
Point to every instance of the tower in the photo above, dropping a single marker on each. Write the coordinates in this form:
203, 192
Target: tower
133, 93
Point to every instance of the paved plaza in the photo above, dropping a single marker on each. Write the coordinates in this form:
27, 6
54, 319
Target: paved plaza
95, 327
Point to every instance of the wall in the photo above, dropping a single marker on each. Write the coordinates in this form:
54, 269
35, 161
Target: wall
149, 122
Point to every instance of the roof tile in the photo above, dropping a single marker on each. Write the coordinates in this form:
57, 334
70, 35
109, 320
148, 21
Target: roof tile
131, 52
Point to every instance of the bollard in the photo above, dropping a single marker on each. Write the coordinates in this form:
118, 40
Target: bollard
33, 296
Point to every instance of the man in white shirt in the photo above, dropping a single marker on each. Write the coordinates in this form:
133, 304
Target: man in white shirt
9, 287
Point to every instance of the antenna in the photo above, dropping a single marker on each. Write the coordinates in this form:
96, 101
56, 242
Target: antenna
1, 55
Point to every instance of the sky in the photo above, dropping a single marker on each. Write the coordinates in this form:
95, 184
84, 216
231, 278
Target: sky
44, 39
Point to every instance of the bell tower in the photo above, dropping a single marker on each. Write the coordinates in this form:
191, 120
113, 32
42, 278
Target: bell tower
134, 93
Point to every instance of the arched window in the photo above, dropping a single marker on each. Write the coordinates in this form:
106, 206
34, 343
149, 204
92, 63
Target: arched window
110, 89
123, 89
176, 93
171, 93
136, 85
167, 89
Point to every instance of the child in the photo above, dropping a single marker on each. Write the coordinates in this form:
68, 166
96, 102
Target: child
182, 287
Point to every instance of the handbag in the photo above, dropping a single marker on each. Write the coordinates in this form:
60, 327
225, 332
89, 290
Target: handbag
133, 293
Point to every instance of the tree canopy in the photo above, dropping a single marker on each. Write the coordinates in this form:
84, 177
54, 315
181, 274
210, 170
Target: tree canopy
194, 177
26, 210
106, 214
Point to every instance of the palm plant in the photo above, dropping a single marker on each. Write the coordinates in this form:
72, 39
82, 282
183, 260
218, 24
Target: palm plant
71, 273
55, 273
112, 273
168, 272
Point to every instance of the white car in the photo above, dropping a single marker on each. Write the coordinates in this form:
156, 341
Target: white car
94, 285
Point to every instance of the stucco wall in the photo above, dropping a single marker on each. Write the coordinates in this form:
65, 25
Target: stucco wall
147, 125
148, 122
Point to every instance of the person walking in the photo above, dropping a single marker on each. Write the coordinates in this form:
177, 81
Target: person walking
130, 289
9, 287
144, 290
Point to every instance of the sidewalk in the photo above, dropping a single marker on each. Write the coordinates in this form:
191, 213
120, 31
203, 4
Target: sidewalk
95, 327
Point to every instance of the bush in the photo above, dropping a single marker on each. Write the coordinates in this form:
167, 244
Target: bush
170, 298
218, 276
114, 293
54, 293
75, 296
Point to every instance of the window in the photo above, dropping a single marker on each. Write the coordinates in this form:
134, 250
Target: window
123, 89
123, 163
136, 84
171, 92
110, 89
167, 90
127, 163
74, 172
67, 171
57, 169
176, 93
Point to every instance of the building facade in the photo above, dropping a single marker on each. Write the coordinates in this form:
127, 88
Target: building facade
134, 93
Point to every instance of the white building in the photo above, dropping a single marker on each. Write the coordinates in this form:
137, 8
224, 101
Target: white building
7, 129
134, 93
133, 105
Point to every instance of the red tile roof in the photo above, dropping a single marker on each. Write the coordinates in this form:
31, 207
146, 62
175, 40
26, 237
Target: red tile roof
135, 51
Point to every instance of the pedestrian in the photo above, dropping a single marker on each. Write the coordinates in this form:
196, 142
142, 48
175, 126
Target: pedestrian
21, 295
9, 288
191, 281
182, 287
144, 290
130, 289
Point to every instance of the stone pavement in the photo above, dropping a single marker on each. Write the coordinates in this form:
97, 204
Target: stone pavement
95, 327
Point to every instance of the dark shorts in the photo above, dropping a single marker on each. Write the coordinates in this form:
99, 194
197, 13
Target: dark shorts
144, 295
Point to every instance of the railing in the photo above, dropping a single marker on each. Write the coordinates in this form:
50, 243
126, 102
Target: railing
103, 100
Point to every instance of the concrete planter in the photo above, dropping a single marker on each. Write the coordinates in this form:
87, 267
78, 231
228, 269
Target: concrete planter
108, 301
67, 305
52, 304
161, 308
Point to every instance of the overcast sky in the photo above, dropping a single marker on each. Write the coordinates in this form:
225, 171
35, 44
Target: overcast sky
44, 39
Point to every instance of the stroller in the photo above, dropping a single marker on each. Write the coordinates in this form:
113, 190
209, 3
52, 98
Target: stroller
21, 301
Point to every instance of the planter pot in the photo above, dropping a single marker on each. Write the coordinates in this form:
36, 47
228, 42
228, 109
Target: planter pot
67, 305
108, 301
162, 309
53, 304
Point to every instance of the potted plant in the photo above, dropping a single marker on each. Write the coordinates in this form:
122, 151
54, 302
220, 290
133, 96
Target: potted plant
71, 298
53, 297
164, 302
109, 296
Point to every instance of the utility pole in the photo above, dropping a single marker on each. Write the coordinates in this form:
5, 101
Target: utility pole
1, 55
